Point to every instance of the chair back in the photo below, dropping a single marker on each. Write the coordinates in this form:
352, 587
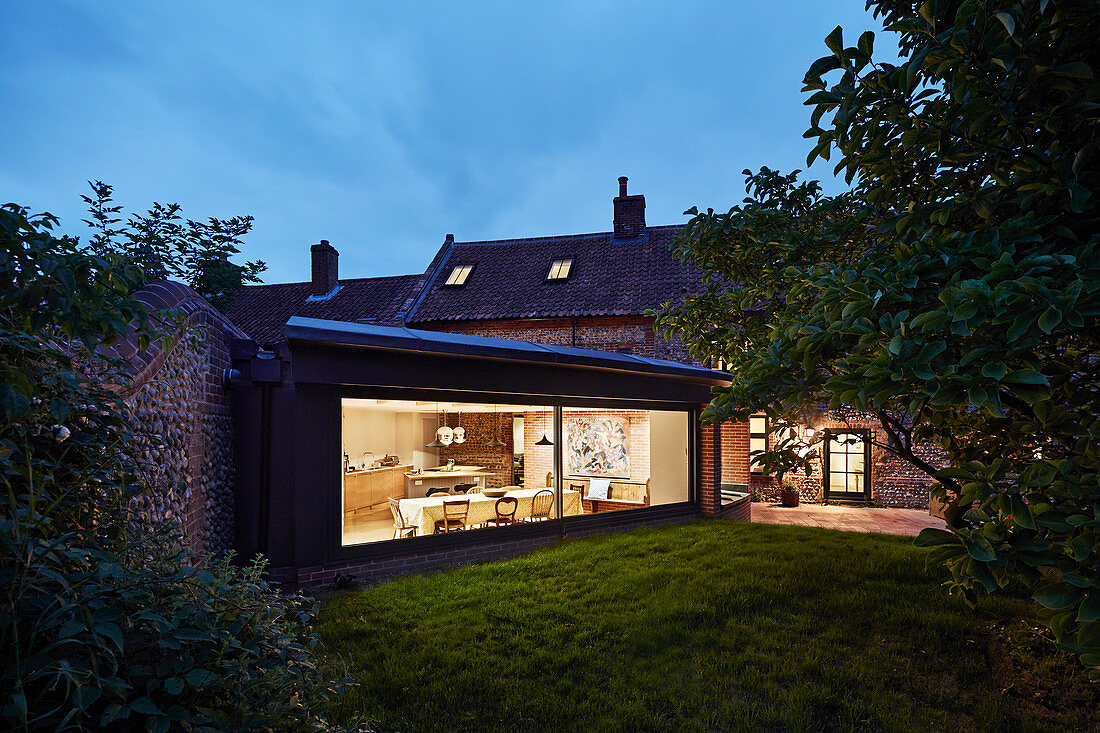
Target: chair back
437, 490
464, 488
506, 507
395, 510
542, 503
456, 509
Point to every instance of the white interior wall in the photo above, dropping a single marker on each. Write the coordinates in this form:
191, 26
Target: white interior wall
668, 457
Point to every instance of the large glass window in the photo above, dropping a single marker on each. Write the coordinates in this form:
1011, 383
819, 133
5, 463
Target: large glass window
416, 468
625, 459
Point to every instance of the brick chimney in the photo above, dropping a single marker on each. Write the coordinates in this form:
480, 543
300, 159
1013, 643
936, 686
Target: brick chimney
325, 278
629, 213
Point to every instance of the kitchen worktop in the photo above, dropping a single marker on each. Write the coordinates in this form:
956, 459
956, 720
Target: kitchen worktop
379, 468
444, 471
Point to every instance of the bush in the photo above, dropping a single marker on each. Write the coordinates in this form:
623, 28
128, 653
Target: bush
108, 622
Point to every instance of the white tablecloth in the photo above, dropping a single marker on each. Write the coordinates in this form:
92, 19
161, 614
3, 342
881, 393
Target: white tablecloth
425, 512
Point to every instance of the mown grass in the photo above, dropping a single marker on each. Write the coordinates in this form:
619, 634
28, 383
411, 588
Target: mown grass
713, 625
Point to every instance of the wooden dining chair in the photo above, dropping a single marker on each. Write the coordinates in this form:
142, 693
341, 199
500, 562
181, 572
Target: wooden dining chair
464, 488
454, 515
541, 505
399, 526
437, 491
505, 512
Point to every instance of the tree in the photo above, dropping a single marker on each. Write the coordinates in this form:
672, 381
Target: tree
163, 245
106, 622
953, 294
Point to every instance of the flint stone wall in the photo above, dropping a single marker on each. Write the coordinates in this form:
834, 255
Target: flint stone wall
183, 429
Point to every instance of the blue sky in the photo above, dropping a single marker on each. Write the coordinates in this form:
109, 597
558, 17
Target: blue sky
382, 127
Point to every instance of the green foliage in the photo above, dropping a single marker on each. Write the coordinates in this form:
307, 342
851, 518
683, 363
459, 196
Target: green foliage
163, 245
105, 622
956, 298
708, 626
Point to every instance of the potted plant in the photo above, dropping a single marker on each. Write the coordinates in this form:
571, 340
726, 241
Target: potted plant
788, 493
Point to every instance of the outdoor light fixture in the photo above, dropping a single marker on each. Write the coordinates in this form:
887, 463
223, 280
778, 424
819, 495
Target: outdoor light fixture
809, 432
544, 441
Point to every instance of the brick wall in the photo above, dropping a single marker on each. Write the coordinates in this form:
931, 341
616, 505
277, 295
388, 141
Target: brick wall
475, 451
609, 333
894, 482
405, 562
179, 406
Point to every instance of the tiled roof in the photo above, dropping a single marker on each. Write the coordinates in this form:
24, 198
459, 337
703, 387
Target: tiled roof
610, 277
261, 311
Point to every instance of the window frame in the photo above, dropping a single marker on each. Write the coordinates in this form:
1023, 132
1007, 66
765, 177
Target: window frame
756, 470
559, 262
468, 271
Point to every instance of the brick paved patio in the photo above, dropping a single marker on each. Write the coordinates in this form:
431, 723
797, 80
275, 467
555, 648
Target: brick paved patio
849, 519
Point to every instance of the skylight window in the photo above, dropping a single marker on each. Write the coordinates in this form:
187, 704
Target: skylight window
559, 269
459, 275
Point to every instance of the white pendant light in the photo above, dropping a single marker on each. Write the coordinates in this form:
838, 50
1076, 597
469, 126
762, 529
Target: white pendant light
459, 431
445, 435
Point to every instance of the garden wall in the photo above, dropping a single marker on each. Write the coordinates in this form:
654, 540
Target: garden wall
180, 411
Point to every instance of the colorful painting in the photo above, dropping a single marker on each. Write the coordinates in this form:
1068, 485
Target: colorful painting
598, 446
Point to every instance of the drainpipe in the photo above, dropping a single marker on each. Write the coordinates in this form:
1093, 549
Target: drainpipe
573, 324
266, 391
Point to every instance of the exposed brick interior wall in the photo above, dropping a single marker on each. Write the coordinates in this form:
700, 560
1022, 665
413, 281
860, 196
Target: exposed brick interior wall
183, 429
538, 460
476, 451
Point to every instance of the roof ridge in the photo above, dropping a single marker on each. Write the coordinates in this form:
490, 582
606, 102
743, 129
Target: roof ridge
343, 281
585, 235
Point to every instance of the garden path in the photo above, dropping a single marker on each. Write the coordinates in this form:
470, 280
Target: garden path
850, 519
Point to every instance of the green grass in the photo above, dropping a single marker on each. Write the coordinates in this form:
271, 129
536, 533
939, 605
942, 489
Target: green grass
713, 625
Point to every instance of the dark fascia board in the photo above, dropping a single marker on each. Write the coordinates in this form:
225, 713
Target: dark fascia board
396, 338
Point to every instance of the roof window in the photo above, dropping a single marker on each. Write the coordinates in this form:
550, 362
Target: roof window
459, 275
559, 269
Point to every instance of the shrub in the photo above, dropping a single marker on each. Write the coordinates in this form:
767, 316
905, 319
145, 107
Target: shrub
108, 622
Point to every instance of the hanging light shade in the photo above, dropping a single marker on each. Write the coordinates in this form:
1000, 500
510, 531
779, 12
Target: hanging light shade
459, 433
496, 442
436, 442
445, 435
544, 441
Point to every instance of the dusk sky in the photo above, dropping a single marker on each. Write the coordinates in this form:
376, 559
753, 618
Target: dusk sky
382, 127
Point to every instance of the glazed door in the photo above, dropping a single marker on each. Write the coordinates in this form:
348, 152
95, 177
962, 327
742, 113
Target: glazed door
848, 465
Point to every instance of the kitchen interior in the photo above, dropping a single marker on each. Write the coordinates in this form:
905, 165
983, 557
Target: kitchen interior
392, 448
404, 449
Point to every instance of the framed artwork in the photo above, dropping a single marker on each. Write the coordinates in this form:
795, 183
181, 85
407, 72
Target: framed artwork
598, 446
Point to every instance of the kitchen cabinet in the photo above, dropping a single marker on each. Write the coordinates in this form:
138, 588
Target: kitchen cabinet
371, 489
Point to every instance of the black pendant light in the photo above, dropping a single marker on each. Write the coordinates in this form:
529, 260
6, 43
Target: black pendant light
496, 442
544, 441
435, 441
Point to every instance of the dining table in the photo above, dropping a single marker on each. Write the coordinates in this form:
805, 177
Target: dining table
425, 512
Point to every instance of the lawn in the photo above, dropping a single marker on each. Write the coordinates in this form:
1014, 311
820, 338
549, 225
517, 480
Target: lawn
713, 625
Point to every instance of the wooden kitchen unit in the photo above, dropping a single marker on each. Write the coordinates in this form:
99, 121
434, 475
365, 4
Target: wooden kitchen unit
369, 490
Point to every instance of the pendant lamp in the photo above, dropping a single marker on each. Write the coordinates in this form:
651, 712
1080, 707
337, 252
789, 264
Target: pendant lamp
436, 443
459, 431
544, 441
445, 435
496, 442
